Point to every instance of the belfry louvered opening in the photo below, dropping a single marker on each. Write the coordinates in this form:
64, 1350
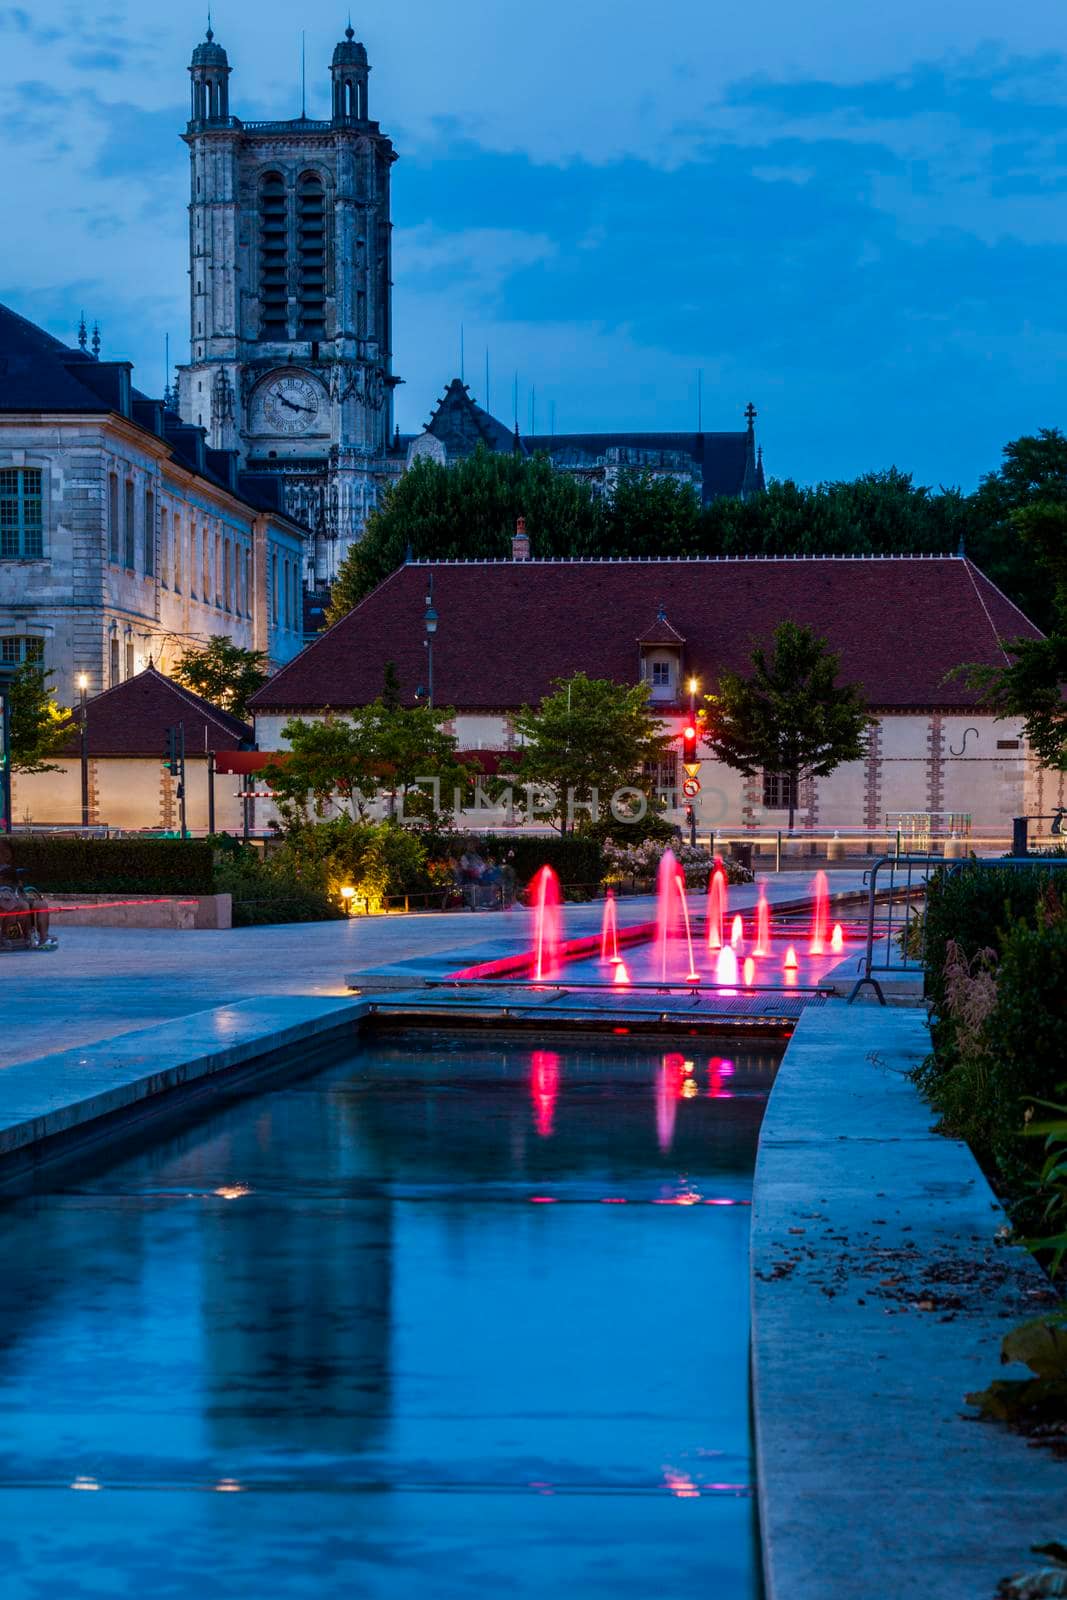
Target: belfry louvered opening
273, 256
311, 225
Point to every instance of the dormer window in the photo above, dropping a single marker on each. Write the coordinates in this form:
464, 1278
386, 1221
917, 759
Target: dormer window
661, 648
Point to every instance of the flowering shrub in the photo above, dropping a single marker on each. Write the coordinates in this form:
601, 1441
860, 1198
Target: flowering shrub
626, 861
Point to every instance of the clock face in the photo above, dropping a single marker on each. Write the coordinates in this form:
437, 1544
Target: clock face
290, 404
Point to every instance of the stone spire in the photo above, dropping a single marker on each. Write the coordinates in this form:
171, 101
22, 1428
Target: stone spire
350, 71
210, 72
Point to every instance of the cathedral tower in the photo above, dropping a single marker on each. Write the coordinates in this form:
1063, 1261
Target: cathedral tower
290, 296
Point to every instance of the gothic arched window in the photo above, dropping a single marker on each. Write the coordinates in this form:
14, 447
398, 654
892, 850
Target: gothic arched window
311, 228
273, 256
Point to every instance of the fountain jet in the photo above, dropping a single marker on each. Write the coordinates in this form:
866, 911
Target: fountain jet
763, 926
545, 897
821, 915
716, 906
609, 930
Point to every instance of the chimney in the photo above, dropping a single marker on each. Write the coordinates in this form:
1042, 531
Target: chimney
520, 544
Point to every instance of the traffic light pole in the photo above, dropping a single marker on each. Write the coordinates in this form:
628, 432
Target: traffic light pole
181, 779
211, 792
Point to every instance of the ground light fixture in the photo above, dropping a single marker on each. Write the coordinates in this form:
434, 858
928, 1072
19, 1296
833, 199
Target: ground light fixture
83, 686
348, 894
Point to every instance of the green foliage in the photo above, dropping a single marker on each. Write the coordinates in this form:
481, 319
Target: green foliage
577, 858
587, 741
224, 673
1041, 1345
1031, 685
375, 859
791, 715
116, 866
1050, 1185
469, 511
349, 759
39, 727
266, 892
996, 961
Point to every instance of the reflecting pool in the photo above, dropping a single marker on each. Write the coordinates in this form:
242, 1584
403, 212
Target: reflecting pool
454, 1318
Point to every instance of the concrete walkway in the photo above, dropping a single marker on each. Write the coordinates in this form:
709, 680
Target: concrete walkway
106, 981
879, 1299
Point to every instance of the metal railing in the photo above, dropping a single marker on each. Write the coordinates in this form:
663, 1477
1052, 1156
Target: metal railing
907, 877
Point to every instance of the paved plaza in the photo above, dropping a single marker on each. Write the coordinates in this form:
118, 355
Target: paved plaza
105, 981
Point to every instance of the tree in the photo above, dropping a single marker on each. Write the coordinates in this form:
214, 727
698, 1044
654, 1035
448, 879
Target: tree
39, 727
1033, 473
353, 758
224, 673
1031, 686
337, 757
468, 511
589, 740
791, 716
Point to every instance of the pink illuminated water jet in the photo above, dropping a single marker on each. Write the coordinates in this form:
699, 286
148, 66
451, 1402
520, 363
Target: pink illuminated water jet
737, 932
837, 939
544, 896
672, 903
622, 974
717, 909
821, 915
609, 930
726, 966
750, 971
692, 975
791, 963
763, 926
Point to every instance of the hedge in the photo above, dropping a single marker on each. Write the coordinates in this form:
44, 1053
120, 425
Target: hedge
976, 906
578, 861
59, 864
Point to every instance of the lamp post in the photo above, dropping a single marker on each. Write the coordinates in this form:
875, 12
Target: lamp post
429, 622
7, 674
693, 687
83, 685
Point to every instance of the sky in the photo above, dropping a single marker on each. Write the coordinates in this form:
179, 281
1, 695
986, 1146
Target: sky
854, 217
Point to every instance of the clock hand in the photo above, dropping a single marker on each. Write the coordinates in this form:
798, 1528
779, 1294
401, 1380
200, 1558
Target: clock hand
290, 404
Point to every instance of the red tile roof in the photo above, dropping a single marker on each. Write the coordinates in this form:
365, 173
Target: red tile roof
508, 628
132, 720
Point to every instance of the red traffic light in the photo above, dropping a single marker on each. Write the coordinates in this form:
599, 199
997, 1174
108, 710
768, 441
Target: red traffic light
689, 733
690, 738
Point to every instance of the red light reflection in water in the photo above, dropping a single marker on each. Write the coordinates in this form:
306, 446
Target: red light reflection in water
670, 1088
544, 1089
680, 1484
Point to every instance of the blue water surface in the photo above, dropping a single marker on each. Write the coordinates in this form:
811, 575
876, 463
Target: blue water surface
454, 1318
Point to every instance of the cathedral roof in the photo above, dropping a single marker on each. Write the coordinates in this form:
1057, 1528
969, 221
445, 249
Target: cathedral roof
461, 425
508, 629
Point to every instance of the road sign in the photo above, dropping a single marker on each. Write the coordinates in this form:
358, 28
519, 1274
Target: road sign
691, 788
691, 769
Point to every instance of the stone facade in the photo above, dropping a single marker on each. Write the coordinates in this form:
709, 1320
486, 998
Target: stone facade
290, 298
142, 556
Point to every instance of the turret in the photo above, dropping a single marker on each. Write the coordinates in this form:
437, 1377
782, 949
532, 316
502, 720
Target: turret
350, 71
210, 72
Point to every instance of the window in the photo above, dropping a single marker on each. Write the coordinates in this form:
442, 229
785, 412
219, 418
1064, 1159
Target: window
113, 663
218, 571
274, 587
311, 232
21, 528
778, 791
130, 527
149, 533
129, 656
227, 580
113, 547
205, 575
273, 257
164, 547
285, 591
248, 583
663, 776
177, 552
17, 649
661, 674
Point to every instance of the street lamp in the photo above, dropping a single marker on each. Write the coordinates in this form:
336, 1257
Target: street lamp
7, 674
83, 685
348, 894
429, 622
